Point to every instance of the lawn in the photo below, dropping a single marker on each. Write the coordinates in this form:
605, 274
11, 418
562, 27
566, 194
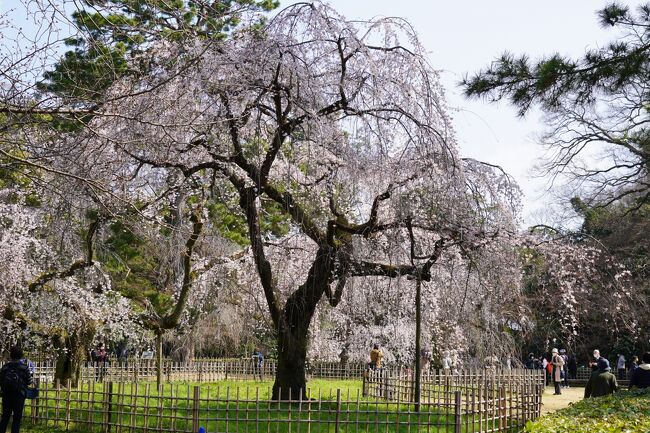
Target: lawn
230, 406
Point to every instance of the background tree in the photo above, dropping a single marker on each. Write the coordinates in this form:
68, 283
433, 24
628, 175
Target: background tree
578, 295
595, 104
596, 110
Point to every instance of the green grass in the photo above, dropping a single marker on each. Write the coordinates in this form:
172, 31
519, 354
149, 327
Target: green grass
232, 406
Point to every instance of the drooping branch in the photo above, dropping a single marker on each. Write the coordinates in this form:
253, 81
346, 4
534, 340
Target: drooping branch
78, 265
247, 201
172, 320
297, 213
367, 269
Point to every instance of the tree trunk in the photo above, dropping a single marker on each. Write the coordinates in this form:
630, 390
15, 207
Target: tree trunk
418, 345
71, 354
159, 354
292, 329
291, 375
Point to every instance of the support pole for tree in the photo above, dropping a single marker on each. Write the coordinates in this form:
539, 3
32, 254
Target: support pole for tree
418, 333
159, 335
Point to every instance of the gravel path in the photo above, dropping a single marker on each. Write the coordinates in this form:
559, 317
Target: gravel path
551, 403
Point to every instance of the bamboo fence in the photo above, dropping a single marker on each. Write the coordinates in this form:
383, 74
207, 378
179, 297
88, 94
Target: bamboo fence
475, 401
212, 370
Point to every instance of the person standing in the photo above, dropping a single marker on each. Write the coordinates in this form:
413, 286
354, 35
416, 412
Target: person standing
558, 365
425, 361
344, 357
565, 368
14, 380
376, 356
548, 368
531, 362
601, 382
258, 363
634, 364
101, 362
594, 364
573, 367
620, 366
640, 377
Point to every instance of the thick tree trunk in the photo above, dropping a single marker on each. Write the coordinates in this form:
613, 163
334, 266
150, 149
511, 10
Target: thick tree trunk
71, 354
291, 375
292, 329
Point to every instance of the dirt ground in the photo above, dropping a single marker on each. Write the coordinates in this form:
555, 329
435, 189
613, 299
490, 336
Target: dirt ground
551, 403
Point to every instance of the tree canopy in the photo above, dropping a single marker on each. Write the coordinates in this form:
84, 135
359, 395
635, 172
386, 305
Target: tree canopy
594, 104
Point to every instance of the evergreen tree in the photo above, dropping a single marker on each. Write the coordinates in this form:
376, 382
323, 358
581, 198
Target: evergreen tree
600, 99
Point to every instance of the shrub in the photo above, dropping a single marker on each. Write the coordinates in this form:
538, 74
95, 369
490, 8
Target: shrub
623, 412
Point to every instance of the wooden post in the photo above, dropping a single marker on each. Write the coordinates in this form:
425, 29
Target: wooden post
108, 404
68, 397
338, 411
457, 412
34, 403
196, 404
418, 333
502, 408
159, 335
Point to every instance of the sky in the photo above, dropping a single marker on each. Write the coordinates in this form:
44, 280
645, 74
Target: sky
463, 36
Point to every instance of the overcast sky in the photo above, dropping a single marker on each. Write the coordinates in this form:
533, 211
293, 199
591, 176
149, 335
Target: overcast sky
466, 35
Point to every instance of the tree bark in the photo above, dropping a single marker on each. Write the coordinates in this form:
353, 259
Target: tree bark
293, 328
291, 374
159, 338
71, 354
418, 345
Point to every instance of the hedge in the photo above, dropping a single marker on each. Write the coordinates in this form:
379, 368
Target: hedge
623, 412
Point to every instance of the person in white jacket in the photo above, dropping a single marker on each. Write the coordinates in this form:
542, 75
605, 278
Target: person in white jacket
558, 365
620, 366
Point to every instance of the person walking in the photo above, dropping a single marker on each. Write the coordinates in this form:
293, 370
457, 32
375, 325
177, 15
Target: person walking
100, 357
641, 375
15, 377
601, 382
558, 365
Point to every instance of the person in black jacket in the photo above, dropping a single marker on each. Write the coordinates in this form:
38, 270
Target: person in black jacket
15, 377
641, 375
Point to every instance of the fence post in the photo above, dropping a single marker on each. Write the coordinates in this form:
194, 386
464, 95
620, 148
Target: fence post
108, 395
196, 404
34, 403
338, 410
457, 412
502, 408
